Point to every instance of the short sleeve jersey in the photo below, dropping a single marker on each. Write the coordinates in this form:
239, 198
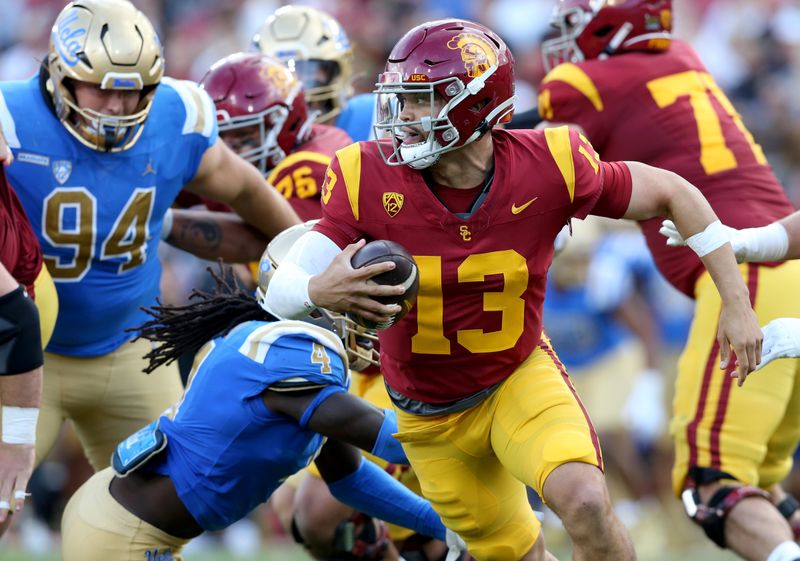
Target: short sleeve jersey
666, 110
482, 278
98, 214
19, 249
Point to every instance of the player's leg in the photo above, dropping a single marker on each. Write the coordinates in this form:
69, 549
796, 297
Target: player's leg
467, 485
722, 433
543, 435
95, 527
128, 400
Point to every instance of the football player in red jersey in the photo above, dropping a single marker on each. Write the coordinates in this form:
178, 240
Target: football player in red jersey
262, 115
484, 404
616, 72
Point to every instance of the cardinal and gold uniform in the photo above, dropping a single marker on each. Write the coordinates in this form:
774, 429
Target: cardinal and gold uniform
666, 110
485, 405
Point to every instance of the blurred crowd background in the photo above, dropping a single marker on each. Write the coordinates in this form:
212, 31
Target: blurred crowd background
608, 311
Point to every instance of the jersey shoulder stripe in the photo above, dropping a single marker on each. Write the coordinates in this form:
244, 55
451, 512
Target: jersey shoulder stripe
350, 164
558, 142
576, 77
298, 158
200, 112
257, 344
7, 121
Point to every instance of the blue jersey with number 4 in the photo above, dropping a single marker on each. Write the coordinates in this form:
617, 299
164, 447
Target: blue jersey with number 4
98, 214
226, 451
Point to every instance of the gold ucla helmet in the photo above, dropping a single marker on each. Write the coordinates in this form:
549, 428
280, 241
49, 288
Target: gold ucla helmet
358, 341
315, 47
113, 45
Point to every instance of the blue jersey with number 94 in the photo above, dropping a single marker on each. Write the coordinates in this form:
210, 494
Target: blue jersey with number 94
98, 215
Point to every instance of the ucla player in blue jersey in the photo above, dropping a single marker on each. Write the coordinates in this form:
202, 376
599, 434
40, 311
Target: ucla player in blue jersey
102, 146
315, 47
265, 398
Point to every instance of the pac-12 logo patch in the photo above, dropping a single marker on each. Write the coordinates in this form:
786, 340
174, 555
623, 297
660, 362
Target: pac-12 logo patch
393, 203
62, 169
476, 52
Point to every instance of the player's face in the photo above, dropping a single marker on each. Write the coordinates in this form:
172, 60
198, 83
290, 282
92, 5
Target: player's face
242, 139
107, 102
413, 107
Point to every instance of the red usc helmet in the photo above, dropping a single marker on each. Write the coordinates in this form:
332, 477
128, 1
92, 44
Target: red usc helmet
466, 74
598, 28
256, 92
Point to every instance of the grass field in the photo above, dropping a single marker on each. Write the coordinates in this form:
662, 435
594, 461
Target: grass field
698, 551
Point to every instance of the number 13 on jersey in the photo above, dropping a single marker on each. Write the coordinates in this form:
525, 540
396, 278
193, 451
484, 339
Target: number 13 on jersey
509, 302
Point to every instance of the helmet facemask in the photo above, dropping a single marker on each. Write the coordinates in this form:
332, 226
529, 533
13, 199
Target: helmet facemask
441, 135
564, 48
269, 122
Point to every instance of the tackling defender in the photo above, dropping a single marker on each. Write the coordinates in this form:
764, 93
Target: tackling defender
262, 398
638, 94
485, 406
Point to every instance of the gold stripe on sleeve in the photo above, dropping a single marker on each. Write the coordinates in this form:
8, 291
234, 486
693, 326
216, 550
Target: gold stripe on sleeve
350, 163
561, 150
574, 76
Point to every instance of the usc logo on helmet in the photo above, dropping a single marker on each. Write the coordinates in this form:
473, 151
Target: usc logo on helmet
281, 78
476, 52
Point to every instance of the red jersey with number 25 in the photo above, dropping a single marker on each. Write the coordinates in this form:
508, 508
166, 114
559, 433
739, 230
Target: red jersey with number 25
666, 110
478, 314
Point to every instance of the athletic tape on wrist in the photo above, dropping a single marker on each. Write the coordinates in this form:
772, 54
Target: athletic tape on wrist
713, 237
19, 424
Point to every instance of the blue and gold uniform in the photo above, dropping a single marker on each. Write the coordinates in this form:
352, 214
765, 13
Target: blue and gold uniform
98, 217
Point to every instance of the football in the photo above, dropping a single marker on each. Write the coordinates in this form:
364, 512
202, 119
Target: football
405, 272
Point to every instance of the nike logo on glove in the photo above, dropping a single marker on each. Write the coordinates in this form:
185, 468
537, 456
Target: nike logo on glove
517, 209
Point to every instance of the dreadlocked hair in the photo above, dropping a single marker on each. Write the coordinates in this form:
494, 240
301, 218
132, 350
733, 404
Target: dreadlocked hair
184, 329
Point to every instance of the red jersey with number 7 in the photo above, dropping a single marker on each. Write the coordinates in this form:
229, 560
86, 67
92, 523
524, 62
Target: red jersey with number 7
478, 314
666, 110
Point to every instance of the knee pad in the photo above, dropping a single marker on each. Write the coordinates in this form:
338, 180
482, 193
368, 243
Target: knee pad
787, 507
711, 516
361, 538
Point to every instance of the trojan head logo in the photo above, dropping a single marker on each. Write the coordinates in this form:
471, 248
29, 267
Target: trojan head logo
476, 52
392, 203
280, 78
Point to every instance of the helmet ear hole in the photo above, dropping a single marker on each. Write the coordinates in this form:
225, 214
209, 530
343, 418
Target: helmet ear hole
603, 31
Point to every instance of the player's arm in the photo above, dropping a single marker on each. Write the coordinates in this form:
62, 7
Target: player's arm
20, 390
225, 177
778, 241
211, 235
657, 192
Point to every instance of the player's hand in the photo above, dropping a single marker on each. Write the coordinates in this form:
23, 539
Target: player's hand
781, 340
739, 332
16, 466
6, 156
455, 545
674, 238
341, 288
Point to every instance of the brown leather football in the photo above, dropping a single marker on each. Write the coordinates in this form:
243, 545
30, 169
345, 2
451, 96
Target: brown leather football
405, 273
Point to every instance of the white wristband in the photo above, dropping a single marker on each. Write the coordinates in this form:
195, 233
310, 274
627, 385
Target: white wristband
19, 424
769, 243
713, 237
166, 224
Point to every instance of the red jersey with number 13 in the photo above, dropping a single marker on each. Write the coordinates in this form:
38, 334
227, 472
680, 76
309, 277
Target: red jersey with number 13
478, 315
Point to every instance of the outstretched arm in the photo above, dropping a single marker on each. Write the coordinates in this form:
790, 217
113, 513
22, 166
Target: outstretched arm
212, 235
225, 177
778, 241
658, 192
